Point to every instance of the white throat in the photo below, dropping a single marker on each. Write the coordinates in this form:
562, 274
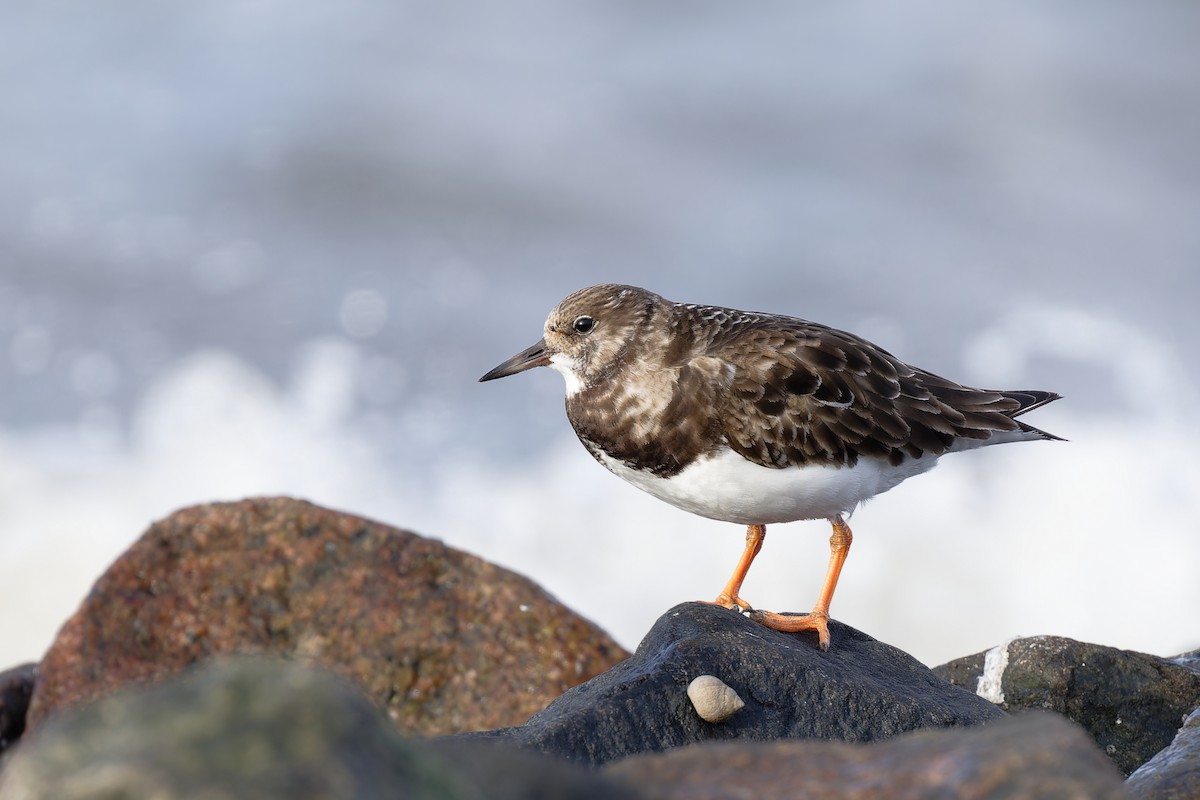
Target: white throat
567, 367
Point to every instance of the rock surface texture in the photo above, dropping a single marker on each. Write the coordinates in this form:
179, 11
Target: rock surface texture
444, 640
1174, 773
16, 687
861, 690
1131, 703
1028, 756
272, 648
255, 729
266, 728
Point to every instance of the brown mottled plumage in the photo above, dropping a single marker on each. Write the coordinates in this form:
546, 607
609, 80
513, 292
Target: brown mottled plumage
664, 393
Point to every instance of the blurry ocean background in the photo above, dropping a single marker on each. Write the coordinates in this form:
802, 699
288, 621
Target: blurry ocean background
268, 246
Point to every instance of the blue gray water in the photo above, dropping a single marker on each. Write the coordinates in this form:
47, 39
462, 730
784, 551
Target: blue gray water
267, 246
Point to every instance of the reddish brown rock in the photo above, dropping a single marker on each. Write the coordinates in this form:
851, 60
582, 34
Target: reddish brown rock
444, 640
1029, 756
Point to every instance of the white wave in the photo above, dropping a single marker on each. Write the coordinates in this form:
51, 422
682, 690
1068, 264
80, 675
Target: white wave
1094, 539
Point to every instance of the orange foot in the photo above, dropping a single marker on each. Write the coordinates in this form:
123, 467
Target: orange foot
817, 621
733, 603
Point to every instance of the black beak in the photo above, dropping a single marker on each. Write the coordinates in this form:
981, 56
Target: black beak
530, 357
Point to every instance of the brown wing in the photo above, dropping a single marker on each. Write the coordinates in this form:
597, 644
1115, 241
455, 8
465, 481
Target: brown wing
805, 393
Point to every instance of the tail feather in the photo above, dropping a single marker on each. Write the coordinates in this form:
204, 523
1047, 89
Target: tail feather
1030, 399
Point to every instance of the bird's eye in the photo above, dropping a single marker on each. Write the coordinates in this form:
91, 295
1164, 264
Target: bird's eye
583, 324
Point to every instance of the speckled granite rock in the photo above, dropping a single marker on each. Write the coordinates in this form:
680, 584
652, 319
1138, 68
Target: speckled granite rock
443, 640
1131, 703
861, 690
1022, 758
256, 729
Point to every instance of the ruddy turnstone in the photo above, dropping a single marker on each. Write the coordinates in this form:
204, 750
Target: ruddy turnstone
757, 418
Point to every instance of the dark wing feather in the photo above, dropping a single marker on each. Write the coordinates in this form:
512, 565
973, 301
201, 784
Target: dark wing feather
804, 393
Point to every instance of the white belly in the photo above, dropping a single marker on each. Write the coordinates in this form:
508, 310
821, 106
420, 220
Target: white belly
730, 488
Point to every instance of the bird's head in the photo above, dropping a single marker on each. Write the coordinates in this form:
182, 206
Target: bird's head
586, 335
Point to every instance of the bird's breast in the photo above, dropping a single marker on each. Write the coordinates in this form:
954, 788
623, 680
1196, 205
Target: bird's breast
641, 426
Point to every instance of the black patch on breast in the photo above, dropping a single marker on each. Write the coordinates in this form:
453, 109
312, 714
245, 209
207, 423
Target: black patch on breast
687, 427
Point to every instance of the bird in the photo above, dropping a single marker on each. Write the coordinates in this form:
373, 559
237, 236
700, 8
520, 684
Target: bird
757, 418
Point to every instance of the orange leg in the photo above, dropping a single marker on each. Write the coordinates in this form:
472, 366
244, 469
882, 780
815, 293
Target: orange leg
818, 620
730, 595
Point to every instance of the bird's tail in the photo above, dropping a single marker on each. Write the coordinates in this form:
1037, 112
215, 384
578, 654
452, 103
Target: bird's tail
1030, 399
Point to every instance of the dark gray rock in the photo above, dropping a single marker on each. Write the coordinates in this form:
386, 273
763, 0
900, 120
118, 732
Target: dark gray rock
1024, 757
1190, 659
1174, 773
248, 729
861, 690
1130, 703
16, 687
501, 771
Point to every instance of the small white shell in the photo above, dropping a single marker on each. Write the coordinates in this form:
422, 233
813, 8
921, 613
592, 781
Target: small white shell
713, 700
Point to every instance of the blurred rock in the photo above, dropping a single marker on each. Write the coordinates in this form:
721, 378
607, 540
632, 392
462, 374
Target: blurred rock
1191, 660
250, 729
1027, 756
443, 640
504, 772
1131, 703
1174, 773
16, 687
860, 691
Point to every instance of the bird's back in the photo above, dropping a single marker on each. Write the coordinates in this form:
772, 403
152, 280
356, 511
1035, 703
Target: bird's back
798, 392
